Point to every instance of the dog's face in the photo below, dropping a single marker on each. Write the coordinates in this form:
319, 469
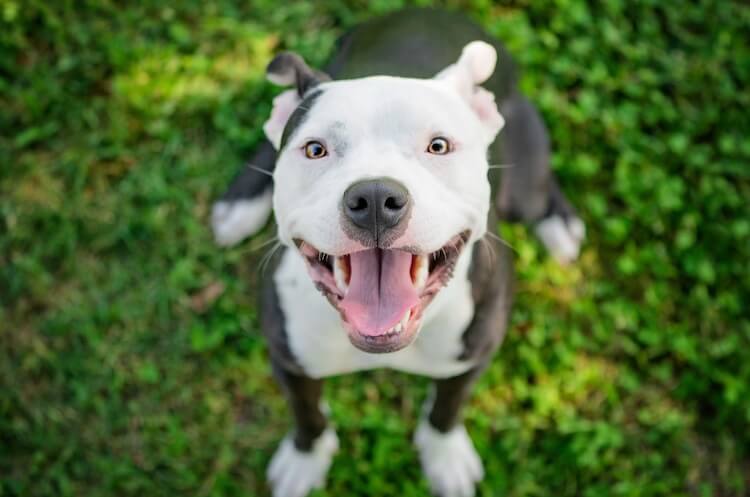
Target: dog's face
380, 183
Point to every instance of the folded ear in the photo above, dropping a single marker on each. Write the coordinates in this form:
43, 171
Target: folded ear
475, 65
288, 69
283, 106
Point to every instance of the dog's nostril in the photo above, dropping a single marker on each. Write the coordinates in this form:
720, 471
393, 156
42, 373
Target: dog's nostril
376, 205
394, 203
358, 204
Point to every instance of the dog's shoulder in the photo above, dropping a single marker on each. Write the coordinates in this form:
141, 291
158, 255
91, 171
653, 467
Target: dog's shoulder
492, 278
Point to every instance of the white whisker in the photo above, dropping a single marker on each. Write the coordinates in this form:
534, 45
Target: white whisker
492, 235
260, 170
490, 250
268, 256
265, 243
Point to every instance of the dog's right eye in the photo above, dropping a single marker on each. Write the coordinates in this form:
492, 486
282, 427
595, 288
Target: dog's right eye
315, 150
439, 146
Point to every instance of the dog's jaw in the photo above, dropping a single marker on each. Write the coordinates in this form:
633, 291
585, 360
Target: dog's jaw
360, 312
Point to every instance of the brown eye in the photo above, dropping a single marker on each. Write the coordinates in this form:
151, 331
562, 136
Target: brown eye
315, 150
439, 146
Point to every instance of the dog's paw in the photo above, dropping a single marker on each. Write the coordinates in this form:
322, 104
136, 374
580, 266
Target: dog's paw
293, 473
449, 460
232, 221
561, 236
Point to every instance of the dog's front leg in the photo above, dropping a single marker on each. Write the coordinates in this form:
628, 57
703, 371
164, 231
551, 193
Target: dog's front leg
301, 462
449, 460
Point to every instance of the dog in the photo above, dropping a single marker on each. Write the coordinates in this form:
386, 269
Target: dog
378, 174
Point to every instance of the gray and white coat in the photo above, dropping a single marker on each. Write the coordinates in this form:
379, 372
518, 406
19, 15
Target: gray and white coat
382, 193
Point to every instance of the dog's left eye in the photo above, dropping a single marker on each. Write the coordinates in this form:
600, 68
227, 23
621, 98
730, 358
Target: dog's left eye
439, 146
315, 150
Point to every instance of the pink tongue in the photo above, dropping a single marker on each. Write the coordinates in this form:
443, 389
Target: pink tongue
380, 290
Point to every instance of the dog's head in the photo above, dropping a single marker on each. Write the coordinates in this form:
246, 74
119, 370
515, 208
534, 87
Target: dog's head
380, 183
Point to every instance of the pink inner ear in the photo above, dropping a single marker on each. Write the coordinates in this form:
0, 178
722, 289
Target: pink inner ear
483, 103
283, 106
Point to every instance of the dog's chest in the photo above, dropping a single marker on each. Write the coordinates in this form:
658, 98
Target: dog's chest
319, 343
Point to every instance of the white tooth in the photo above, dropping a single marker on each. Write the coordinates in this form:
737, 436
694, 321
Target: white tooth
339, 274
421, 272
405, 320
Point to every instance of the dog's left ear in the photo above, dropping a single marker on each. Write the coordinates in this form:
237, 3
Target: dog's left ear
475, 66
288, 69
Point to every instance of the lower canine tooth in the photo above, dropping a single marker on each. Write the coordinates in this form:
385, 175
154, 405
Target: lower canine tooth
405, 320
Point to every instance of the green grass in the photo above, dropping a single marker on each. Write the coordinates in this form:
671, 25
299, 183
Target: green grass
625, 374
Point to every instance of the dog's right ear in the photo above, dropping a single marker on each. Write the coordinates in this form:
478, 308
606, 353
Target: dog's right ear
288, 69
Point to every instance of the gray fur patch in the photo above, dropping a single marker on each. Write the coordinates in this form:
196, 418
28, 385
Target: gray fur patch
339, 143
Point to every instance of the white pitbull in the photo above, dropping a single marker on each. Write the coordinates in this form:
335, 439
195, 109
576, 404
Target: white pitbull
382, 194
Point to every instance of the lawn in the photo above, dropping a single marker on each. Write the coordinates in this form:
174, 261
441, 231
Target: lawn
130, 358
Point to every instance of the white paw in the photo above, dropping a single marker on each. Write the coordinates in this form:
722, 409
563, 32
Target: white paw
234, 221
449, 460
562, 238
293, 473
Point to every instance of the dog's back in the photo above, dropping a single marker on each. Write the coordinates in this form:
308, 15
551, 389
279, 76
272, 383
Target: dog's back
416, 43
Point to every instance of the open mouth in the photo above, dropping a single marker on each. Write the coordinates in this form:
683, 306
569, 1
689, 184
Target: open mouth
381, 294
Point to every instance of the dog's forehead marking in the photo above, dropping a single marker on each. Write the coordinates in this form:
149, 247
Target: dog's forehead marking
299, 116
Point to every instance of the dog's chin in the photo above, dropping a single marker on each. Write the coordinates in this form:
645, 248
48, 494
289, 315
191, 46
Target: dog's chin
381, 294
385, 343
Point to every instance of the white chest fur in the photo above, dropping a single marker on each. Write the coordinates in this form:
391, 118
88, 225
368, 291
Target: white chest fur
319, 342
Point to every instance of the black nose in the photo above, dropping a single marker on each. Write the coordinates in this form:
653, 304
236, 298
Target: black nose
376, 206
